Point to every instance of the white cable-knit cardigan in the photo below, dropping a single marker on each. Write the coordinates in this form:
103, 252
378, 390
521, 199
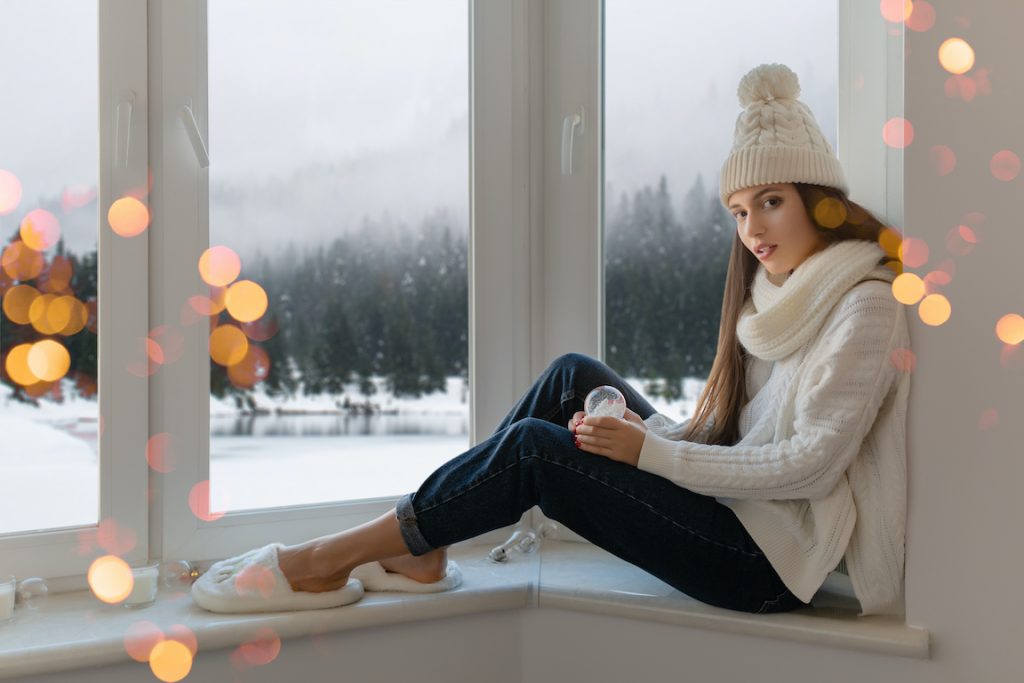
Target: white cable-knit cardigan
819, 472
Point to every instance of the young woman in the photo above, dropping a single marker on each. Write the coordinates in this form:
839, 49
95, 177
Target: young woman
793, 461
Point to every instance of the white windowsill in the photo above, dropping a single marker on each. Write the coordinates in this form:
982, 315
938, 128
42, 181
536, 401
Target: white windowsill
74, 630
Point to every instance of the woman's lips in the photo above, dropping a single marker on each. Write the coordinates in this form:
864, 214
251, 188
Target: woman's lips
767, 252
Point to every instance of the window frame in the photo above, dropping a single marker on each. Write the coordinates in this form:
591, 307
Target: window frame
122, 310
499, 329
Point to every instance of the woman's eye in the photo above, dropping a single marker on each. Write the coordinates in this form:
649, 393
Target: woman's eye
773, 199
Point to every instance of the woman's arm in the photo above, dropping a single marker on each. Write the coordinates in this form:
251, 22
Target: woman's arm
837, 402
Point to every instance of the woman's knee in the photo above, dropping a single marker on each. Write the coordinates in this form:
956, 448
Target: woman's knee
539, 436
576, 362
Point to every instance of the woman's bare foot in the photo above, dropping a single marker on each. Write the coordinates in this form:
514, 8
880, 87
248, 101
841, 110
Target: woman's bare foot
297, 565
425, 568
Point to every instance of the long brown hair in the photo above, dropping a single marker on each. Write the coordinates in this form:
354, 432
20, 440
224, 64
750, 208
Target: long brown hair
835, 218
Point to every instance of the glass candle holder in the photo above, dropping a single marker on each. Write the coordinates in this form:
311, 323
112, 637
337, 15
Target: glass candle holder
144, 588
8, 586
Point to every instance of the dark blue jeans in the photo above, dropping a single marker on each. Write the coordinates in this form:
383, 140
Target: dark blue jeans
690, 541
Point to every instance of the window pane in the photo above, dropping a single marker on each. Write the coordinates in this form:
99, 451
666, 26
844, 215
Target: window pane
339, 178
671, 73
48, 227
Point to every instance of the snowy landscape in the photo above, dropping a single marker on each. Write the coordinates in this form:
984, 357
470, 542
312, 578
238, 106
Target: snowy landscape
298, 450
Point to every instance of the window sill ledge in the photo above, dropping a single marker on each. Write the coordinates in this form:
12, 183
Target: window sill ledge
584, 578
75, 631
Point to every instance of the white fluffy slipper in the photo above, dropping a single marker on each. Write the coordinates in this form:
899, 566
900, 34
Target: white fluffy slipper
253, 582
374, 577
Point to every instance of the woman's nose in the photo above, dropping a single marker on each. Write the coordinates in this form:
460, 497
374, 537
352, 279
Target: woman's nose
753, 226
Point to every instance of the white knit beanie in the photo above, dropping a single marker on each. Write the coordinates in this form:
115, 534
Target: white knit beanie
777, 139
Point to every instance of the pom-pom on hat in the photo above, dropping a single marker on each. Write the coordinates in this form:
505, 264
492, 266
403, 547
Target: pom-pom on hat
777, 139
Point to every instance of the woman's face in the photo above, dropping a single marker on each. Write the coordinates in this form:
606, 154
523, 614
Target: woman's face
773, 224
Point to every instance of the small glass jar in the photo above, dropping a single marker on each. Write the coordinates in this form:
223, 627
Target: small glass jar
146, 581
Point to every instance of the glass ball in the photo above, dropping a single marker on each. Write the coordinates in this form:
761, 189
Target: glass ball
177, 575
605, 400
32, 593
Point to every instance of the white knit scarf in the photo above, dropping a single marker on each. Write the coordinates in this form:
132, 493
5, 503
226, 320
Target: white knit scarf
776, 320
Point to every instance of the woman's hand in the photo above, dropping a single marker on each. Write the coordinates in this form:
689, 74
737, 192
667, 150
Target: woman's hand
613, 437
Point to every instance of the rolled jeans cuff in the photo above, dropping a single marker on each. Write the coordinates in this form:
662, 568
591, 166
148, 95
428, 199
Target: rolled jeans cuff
409, 527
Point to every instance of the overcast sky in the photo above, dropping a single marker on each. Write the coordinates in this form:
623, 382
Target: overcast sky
358, 108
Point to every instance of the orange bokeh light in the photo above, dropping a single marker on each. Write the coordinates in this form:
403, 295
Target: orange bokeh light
262, 329
246, 301
934, 309
943, 159
228, 345
110, 579
140, 638
988, 419
170, 340
908, 288
20, 262
903, 360
39, 229
184, 635
170, 661
896, 11
10, 192
830, 213
37, 313
49, 360
209, 305
58, 275
17, 366
159, 453
922, 18
113, 538
59, 312
17, 302
913, 252
898, 132
78, 318
956, 56
1004, 165
128, 217
219, 266
890, 240
255, 580
960, 240
262, 648
251, 370
199, 502
76, 196
1010, 329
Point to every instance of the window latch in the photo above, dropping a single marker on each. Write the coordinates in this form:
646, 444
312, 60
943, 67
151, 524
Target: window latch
194, 136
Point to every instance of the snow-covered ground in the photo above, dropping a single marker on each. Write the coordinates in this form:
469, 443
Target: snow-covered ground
305, 451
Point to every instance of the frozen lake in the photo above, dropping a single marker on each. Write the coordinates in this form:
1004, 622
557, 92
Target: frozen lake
310, 454
254, 463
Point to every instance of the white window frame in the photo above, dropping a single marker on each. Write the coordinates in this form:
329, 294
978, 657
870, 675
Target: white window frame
123, 316
502, 216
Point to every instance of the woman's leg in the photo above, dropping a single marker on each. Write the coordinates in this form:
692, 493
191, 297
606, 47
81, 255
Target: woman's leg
690, 541
558, 392
324, 563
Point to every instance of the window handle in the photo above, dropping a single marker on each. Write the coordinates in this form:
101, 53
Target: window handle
194, 136
569, 133
123, 127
